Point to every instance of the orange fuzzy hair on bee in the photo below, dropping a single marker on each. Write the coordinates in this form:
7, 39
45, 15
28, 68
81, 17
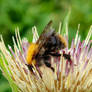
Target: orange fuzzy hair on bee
30, 53
63, 40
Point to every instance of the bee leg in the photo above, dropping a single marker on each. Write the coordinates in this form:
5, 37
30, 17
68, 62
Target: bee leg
52, 69
67, 56
40, 73
30, 67
49, 65
55, 54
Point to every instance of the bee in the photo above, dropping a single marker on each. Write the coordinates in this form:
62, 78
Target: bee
48, 44
67, 56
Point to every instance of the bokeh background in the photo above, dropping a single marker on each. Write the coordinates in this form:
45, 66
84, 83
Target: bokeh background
27, 13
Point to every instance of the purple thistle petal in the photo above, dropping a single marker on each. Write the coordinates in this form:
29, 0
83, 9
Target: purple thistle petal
66, 68
82, 44
88, 46
78, 43
25, 46
84, 54
72, 65
73, 52
17, 63
25, 70
90, 53
78, 55
12, 51
72, 44
66, 77
58, 65
85, 64
21, 56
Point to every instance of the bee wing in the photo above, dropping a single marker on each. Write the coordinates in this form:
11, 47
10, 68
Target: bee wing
47, 32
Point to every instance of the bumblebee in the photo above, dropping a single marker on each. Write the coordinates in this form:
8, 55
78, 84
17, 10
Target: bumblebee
48, 44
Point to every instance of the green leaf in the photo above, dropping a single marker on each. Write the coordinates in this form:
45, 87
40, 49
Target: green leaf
7, 75
4, 86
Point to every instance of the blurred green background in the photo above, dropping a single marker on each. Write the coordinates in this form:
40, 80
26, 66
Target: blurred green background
27, 13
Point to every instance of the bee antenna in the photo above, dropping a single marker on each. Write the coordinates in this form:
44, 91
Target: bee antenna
50, 22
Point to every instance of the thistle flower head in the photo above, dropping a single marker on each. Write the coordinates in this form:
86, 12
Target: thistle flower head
70, 75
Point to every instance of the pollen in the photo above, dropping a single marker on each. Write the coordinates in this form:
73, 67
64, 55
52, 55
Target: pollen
30, 53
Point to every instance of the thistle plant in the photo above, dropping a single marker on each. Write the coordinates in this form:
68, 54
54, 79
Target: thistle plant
74, 75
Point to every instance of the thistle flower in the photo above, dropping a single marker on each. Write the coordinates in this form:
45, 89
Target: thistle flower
74, 75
